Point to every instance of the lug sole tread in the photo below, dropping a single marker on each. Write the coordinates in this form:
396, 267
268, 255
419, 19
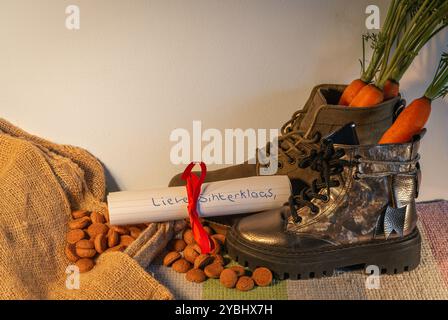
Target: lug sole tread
393, 257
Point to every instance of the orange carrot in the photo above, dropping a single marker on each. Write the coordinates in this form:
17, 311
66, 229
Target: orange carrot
409, 123
413, 118
426, 20
382, 43
351, 91
391, 89
369, 96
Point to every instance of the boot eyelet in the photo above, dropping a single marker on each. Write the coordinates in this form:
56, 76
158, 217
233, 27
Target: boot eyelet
357, 158
292, 161
325, 199
315, 210
297, 220
280, 165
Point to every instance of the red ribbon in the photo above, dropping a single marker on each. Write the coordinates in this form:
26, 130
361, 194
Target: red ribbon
193, 191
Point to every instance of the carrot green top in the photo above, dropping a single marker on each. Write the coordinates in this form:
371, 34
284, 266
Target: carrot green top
431, 17
397, 14
439, 85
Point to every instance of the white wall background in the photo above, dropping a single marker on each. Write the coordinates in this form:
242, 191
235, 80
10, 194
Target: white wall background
138, 69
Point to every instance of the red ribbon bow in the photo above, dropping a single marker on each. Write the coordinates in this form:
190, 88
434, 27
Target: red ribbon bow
193, 191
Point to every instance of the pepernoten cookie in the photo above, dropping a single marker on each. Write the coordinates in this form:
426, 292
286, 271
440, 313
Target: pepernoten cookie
97, 217
185, 257
239, 270
228, 278
70, 252
177, 245
170, 258
97, 228
85, 264
219, 259
191, 252
213, 270
262, 276
196, 275
245, 283
79, 223
181, 266
100, 243
85, 249
202, 261
75, 235
80, 214
188, 236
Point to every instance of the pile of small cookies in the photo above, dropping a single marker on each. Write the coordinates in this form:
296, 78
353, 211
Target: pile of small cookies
185, 256
90, 235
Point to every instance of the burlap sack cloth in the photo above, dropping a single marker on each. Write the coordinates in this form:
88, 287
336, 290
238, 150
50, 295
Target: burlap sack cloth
40, 182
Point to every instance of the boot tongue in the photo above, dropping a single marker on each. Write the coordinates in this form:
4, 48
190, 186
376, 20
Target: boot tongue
346, 135
315, 102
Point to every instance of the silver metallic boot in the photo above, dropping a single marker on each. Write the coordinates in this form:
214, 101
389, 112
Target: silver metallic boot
360, 211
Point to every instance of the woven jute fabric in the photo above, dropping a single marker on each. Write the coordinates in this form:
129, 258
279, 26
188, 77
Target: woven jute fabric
40, 184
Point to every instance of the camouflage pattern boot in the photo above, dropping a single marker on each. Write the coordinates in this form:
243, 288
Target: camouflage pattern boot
359, 212
319, 117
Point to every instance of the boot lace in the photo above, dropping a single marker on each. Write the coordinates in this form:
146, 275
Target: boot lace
291, 141
327, 161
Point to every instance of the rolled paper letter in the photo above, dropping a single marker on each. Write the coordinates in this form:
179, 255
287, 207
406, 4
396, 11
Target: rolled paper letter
246, 195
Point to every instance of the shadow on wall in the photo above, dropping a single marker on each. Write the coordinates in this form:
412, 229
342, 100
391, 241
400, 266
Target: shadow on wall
111, 183
424, 66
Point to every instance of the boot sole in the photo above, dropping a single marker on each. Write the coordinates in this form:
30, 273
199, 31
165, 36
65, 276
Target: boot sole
390, 256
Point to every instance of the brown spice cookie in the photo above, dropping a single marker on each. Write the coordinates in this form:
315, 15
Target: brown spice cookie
177, 245
70, 252
79, 214
120, 229
197, 248
126, 240
170, 258
79, 223
188, 236
191, 253
97, 217
113, 238
85, 249
135, 232
85, 265
213, 270
97, 228
262, 276
181, 266
100, 243
239, 270
219, 259
245, 283
75, 235
228, 278
195, 275
202, 261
